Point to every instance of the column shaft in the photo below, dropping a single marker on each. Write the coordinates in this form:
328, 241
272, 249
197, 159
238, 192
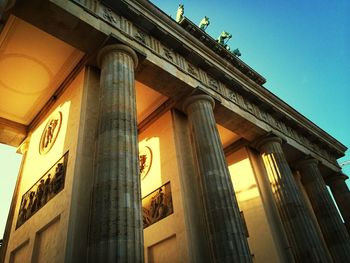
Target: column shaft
116, 232
333, 229
341, 195
300, 230
224, 226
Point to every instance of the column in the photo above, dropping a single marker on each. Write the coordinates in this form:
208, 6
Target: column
300, 230
116, 232
224, 226
332, 227
341, 195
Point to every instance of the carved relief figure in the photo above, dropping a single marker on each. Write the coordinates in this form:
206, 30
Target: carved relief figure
157, 205
42, 191
50, 133
180, 13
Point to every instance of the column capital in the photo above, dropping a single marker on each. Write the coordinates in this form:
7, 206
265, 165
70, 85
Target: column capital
194, 98
306, 162
117, 48
23, 148
263, 143
336, 177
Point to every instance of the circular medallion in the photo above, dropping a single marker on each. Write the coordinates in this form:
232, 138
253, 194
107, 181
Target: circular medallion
50, 133
145, 159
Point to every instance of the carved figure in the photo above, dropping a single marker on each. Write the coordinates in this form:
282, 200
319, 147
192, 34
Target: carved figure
50, 132
236, 52
57, 183
180, 13
47, 189
142, 160
224, 36
40, 193
204, 23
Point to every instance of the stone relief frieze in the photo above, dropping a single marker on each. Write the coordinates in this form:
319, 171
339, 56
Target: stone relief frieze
46, 188
157, 205
109, 16
169, 54
192, 70
155, 45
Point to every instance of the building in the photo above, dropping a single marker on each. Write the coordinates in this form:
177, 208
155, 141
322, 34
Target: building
133, 127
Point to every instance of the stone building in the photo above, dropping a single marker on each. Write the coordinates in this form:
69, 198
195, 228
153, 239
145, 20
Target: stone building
143, 139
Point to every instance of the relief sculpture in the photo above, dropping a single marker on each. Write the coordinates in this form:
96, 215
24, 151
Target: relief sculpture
157, 205
50, 184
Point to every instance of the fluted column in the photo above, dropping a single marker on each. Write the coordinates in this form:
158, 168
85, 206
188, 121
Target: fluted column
224, 226
341, 195
300, 230
332, 227
116, 233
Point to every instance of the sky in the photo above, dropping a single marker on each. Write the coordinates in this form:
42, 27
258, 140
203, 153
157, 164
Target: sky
301, 47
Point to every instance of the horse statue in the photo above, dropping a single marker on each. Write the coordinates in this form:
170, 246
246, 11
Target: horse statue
204, 23
223, 36
236, 52
180, 13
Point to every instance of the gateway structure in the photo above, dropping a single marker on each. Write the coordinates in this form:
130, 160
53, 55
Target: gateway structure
143, 139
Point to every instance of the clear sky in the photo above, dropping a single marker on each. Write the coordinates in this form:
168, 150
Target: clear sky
301, 47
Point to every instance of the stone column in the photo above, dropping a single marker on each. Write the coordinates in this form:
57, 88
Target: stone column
300, 230
341, 195
332, 227
224, 226
116, 232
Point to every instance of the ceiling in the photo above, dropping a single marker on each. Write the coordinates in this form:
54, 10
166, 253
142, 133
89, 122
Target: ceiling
32, 66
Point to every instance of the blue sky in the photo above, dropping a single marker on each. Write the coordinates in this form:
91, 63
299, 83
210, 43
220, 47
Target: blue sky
302, 48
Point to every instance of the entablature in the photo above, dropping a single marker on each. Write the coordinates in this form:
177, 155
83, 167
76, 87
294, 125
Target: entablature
145, 25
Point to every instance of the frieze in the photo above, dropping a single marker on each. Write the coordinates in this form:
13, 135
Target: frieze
140, 37
46, 188
169, 54
154, 44
157, 205
109, 16
192, 70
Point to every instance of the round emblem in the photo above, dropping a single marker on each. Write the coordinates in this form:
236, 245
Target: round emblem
50, 133
145, 159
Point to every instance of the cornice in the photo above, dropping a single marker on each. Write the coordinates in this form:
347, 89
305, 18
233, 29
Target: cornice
153, 29
174, 31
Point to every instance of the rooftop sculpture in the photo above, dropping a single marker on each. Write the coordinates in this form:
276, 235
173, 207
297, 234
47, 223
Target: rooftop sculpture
180, 13
224, 36
204, 23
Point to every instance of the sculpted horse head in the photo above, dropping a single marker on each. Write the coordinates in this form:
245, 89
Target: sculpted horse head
224, 35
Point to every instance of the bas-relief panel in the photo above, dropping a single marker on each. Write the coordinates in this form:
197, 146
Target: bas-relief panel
157, 205
227, 91
46, 188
